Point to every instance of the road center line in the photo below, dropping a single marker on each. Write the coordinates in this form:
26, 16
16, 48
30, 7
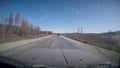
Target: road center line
54, 42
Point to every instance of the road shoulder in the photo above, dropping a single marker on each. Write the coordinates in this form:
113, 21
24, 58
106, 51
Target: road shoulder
105, 53
10, 45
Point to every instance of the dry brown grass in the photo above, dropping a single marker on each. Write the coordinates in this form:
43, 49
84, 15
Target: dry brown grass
14, 37
101, 40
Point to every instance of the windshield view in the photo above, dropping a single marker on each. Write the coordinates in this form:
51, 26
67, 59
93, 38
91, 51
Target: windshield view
59, 33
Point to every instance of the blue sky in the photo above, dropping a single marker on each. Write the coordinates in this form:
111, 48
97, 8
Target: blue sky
94, 16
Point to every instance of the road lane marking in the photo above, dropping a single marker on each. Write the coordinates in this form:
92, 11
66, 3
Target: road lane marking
53, 42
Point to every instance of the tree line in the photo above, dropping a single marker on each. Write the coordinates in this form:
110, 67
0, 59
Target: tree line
11, 27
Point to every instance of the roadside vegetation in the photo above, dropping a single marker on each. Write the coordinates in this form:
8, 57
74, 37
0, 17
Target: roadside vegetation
108, 40
12, 29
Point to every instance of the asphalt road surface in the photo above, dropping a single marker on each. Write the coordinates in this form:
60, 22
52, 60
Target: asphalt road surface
55, 50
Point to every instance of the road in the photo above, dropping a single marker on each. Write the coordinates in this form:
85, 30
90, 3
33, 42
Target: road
57, 50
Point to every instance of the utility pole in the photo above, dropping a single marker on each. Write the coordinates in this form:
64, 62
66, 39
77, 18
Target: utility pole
81, 30
78, 29
73, 30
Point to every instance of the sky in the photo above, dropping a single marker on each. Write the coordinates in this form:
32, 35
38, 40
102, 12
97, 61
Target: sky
61, 16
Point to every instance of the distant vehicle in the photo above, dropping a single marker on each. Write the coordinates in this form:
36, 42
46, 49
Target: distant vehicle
58, 34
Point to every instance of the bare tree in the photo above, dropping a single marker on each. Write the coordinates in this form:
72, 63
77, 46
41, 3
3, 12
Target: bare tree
10, 23
28, 29
17, 19
25, 28
17, 23
9, 30
31, 29
3, 28
1, 20
10, 19
37, 30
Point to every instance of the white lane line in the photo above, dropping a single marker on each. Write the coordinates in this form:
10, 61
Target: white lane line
53, 42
